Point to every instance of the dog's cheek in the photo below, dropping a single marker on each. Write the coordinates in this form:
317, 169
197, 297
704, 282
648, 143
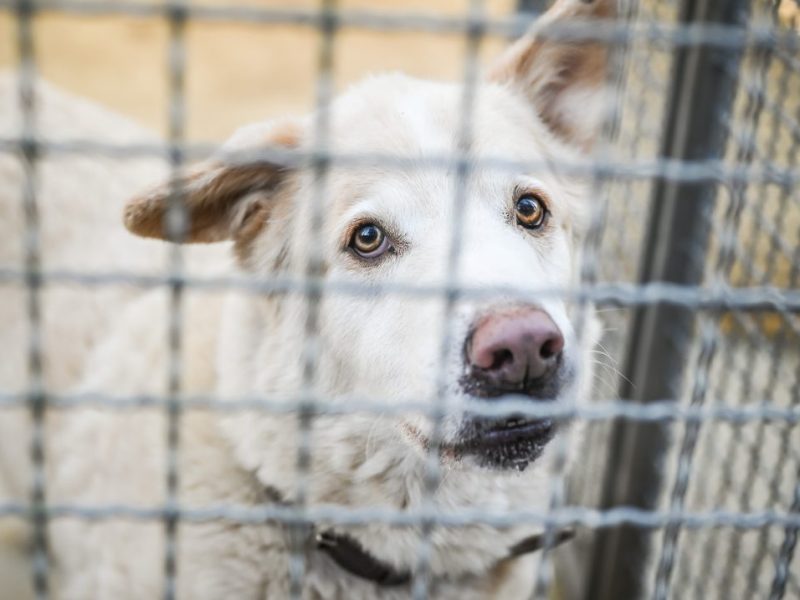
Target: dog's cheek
389, 345
567, 446
357, 353
589, 338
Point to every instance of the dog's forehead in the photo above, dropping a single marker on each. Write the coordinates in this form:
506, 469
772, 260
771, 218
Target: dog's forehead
419, 125
397, 115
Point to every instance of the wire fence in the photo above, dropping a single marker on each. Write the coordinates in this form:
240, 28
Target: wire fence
690, 487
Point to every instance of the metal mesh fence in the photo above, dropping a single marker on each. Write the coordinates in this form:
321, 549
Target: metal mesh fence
690, 487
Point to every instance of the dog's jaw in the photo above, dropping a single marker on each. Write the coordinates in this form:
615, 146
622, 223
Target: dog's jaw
510, 443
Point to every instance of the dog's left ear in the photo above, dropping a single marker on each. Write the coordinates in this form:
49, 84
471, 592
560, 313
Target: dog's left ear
564, 79
222, 197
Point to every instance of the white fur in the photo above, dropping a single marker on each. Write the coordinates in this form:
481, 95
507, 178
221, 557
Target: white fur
387, 348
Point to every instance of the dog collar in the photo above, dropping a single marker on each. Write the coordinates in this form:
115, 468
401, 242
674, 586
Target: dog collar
353, 558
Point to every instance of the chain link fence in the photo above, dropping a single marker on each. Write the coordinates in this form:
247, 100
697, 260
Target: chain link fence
691, 486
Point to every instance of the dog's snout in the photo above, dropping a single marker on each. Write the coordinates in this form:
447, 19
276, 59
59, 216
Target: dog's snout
515, 347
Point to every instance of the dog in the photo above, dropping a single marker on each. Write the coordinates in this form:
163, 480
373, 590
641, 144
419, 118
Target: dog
371, 236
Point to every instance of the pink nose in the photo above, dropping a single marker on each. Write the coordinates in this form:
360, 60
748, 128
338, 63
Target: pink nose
516, 346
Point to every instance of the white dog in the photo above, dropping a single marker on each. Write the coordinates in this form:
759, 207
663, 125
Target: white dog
541, 103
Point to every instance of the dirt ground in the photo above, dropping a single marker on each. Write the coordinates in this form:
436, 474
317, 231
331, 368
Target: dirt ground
236, 73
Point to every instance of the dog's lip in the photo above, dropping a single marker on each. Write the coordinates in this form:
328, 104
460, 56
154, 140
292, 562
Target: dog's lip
487, 434
479, 385
510, 431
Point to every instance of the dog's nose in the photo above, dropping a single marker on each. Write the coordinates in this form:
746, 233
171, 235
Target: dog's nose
516, 347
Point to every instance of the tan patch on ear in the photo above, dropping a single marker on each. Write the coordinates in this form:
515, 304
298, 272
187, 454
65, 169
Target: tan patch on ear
144, 215
519, 59
276, 209
286, 133
254, 223
546, 69
586, 65
208, 195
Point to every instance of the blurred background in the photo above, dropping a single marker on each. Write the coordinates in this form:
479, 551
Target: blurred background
236, 72
242, 72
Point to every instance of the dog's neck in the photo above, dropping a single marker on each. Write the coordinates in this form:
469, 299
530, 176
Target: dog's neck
356, 560
385, 478
355, 465
350, 556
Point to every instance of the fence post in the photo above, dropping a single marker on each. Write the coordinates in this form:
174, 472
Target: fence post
536, 7
658, 348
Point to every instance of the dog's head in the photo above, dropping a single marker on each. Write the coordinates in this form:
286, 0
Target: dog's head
426, 197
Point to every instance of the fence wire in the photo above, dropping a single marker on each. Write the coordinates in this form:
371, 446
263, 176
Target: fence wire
722, 519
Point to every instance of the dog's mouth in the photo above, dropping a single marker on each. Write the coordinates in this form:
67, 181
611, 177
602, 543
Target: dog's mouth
509, 443
512, 442
484, 386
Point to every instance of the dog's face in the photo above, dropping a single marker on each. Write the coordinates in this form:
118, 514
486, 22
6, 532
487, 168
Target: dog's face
421, 205
397, 225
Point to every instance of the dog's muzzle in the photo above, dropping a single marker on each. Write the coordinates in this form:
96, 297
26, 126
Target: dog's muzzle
519, 352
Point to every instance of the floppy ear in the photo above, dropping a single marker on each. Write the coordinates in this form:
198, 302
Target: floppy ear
221, 196
563, 79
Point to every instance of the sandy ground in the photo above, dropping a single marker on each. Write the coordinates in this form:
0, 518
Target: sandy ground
236, 73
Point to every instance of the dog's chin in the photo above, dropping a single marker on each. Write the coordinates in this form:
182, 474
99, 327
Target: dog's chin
511, 443
514, 441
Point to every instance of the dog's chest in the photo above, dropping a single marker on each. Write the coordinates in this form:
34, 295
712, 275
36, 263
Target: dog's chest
508, 580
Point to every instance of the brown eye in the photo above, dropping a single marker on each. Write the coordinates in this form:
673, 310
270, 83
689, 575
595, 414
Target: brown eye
530, 211
369, 241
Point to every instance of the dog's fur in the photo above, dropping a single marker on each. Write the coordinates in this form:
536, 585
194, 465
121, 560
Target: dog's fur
540, 102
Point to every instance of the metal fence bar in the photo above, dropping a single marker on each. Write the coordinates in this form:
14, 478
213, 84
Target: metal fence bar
789, 543
708, 44
710, 331
307, 407
617, 57
689, 35
176, 221
746, 152
421, 576
754, 299
36, 393
781, 341
689, 171
662, 411
333, 514
788, 547
661, 335
532, 6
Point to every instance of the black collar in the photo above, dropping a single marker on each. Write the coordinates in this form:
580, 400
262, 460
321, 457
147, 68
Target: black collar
351, 556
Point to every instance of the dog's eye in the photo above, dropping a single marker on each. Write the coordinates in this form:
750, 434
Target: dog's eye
530, 211
369, 241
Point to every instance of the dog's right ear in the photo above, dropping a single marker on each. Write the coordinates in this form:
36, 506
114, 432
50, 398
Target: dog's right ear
563, 79
224, 195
